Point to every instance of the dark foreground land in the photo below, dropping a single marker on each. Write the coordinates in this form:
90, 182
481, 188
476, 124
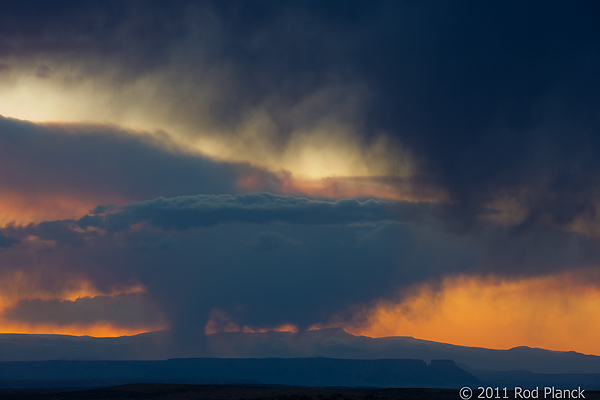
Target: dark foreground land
175, 392
157, 391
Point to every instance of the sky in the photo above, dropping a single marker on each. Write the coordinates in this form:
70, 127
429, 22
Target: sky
400, 168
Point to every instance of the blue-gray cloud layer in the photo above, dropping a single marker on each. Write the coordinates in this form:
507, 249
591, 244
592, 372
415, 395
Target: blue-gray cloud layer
128, 310
95, 161
185, 212
268, 259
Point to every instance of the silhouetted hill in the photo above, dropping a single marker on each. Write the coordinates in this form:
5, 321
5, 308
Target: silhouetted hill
331, 343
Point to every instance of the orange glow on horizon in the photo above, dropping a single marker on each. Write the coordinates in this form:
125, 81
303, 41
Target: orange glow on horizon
560, 312
99, 329
18, 286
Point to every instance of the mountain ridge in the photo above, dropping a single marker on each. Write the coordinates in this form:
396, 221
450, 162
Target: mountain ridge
329, 343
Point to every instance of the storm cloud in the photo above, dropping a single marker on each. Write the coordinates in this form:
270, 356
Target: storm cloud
207, 210
284, 162
101, 160
128, 309
64, 170
7, 241
491, 103
268, 260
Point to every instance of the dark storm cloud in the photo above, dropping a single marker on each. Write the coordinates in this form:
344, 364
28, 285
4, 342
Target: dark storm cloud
267, 260
493, 248
264, 259
7, 241
60, 231
269, 241
37, 27
96, 161
493, 99
536, 251
186, 212
261, 274
126, 310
